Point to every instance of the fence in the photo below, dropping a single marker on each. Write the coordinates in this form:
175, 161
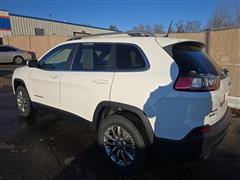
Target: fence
37, 44
222, 45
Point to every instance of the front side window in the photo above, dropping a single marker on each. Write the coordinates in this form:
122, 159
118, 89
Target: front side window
58, 58
93, 57
129, 57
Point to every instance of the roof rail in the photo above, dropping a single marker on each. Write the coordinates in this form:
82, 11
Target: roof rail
140, 34
130, 33
93, 35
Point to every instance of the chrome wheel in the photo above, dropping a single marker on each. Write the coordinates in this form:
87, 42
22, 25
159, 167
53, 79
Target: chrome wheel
119, 145
21, 101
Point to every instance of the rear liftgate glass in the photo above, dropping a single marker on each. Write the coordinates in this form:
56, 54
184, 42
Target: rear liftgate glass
197, 72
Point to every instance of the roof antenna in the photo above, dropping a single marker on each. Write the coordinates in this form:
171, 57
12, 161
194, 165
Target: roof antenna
169, 28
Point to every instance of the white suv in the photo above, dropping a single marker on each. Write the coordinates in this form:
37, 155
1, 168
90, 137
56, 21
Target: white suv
137, 91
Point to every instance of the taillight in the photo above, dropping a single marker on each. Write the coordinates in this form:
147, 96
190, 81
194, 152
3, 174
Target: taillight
201, 83
201, 130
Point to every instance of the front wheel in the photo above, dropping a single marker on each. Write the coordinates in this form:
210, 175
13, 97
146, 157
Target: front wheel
24, 104
122, 144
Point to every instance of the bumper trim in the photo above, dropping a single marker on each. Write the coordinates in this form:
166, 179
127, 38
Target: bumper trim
193, 146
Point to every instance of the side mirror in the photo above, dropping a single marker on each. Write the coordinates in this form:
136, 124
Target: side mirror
32, 63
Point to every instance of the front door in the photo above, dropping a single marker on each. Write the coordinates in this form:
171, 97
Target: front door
45, 80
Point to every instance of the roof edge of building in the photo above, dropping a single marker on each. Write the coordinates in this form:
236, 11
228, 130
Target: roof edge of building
45, 19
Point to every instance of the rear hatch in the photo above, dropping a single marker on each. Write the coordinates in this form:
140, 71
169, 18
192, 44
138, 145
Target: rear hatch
198, 73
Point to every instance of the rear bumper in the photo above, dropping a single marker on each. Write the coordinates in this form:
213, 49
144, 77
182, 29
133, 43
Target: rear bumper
193, 146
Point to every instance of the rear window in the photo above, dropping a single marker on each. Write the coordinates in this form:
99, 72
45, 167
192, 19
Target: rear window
129, 57
191, 59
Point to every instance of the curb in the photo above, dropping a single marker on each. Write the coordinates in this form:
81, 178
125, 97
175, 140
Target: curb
234, 102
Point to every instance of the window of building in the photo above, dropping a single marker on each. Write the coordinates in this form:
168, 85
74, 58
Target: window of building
39, 32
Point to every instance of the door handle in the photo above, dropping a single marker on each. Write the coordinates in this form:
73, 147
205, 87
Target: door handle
53, 76
100, 81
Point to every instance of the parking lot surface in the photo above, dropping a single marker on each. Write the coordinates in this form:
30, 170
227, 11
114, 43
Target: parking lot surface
50, 147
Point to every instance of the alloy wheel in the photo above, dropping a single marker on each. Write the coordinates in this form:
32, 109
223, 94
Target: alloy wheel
21, 101
18, 60
119, 145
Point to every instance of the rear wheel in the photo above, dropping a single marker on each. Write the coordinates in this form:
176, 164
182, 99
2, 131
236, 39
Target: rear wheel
24, 104
122, 144
18, 60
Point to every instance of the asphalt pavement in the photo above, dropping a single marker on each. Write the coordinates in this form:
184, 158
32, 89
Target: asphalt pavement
50, 147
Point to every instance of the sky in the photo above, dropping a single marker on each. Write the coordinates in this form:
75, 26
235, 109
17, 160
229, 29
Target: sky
123, 13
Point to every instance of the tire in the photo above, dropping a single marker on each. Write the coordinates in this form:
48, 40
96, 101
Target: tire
24, 103
130, 152
18, 60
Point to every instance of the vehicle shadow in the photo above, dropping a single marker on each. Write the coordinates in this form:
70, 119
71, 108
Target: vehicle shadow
4, 73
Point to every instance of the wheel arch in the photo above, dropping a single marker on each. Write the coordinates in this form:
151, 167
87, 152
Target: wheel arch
134, 114
17, 56
17, 82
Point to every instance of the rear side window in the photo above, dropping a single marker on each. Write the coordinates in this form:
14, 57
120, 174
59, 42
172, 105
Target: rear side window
13, 49
5, 49
93, 57
191, 59
129, 57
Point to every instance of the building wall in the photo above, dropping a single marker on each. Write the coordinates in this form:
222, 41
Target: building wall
19, 25
23, 25
5, 30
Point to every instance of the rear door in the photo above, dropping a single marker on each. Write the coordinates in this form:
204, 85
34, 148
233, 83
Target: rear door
193, 61
89, 81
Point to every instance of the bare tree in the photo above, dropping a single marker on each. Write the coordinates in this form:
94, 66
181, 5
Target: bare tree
221, 18
113, 27
179, 26
237, 13
156, 28
139, 27
192, 26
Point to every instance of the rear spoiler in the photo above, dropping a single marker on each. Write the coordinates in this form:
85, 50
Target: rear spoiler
184, 45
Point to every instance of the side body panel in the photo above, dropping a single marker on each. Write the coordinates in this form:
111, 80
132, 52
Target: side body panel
45, 86
7, 56
81, 91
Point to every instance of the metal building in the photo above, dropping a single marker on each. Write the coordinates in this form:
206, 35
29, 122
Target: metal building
19, 25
